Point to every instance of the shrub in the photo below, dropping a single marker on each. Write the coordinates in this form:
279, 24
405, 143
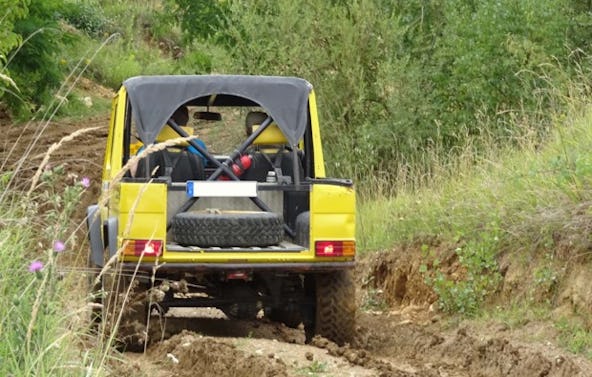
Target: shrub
478, 260
86, 16
13, 11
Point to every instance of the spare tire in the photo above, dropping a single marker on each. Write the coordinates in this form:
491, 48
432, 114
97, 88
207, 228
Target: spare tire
227, 229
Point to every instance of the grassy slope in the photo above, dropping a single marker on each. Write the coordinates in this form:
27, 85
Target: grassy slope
510, 190
528, 209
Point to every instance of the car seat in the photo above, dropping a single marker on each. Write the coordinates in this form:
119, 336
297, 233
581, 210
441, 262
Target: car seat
270, 152
174, 162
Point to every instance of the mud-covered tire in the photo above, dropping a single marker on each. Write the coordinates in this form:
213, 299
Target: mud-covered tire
335, 310
227, 229
289, 308
125, 312
95, 288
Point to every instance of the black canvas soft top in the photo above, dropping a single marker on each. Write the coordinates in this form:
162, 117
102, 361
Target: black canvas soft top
153, 99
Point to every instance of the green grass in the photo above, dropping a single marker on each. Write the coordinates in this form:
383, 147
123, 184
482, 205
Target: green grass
77, 109
512, 200
511, 189
575, 337
315, 368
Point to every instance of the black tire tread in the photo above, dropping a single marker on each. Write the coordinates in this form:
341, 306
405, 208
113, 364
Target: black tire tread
335, 306
228, 229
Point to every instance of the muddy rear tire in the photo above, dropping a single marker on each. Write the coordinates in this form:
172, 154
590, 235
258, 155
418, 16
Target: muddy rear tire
227, 229
125, 312
335, 308
95, 288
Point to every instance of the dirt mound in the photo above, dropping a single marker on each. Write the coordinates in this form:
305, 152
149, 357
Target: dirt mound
396, 275
188, 354
405, 329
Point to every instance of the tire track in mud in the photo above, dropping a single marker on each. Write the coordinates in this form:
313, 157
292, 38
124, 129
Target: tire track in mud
387, 344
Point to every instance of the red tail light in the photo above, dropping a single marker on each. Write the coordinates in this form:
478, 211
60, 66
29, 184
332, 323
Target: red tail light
335, 248
147, 248
238, 275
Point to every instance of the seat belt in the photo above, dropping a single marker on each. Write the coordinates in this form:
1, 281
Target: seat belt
276, 165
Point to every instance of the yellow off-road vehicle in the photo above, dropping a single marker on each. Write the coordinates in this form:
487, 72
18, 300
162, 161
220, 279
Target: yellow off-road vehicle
224, 206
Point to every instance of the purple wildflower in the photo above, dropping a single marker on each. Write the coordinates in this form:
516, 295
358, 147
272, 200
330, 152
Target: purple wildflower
35, 266
85, 182
58, 246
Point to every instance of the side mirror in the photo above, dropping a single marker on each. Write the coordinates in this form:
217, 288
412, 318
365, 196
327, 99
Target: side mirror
207, 115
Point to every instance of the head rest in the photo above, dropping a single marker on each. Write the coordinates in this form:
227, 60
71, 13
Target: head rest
167, 133
272, 135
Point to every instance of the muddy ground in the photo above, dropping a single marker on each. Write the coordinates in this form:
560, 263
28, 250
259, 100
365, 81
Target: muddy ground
399, 333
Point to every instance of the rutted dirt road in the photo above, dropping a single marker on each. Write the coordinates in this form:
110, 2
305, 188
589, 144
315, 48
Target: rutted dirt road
406, 338
410, 342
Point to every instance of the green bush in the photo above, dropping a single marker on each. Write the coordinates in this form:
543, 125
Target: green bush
477, 258
200, 19
86, 16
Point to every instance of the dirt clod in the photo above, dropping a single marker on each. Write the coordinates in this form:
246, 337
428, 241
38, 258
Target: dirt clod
212, 357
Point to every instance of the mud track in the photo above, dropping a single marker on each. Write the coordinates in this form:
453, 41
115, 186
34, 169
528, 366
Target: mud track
407, 342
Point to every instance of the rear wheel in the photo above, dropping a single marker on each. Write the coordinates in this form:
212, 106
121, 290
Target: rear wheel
288, 309
243, 311
96, 293
335, 307
246, 305
125, 312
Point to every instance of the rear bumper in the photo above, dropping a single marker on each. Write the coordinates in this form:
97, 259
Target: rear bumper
164, 269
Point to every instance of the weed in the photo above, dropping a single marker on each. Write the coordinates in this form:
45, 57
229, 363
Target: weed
479, 275
575, 337
313, 369
374, 300
36, 235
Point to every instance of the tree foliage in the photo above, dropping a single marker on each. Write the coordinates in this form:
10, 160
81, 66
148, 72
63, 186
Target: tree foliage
199, 18
399, 78
13, 11
34, 66
30, 40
